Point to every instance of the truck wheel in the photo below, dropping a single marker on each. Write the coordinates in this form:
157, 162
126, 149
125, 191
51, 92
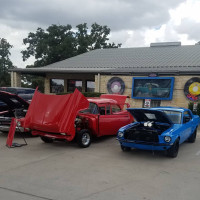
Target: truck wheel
46, 139
192, 138
84, 138
173, 150
125, 148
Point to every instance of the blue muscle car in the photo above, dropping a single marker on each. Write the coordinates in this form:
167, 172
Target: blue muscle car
161, 128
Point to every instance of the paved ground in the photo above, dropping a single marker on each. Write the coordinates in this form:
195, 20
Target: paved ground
63, 171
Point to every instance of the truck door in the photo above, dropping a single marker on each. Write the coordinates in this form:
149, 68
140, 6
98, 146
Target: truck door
105, 120
111, 119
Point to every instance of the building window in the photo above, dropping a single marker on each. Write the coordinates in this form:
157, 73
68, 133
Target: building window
153, 103
90, 86
56, 85
73, 84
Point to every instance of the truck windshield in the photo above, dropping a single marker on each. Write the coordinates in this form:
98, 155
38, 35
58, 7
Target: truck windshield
92, 109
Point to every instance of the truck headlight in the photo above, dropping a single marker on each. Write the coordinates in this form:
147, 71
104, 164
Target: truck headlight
18, 123
167, 138
120, 134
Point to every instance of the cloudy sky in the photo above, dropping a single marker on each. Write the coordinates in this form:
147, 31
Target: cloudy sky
134, 23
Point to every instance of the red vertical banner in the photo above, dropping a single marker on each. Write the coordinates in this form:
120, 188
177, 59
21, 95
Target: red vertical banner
11, 133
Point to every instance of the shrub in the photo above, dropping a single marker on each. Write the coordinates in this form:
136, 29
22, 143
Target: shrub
86, 94
198, 109
191, 105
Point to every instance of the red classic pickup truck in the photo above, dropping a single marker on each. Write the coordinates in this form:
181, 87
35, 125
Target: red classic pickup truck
73, 116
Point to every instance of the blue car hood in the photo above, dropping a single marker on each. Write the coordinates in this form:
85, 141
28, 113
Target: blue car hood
144, 115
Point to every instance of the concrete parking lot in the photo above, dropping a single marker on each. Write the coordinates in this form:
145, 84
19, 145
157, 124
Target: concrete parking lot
63, 171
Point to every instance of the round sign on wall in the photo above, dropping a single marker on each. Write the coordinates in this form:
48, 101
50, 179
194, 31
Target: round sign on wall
192, 89
115, 86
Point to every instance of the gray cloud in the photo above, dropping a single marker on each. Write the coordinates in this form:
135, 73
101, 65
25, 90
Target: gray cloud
117, 14
129, 20
189, 27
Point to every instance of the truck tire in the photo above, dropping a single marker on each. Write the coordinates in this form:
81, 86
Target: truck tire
192, 138
84, 138
173, 150
46, 139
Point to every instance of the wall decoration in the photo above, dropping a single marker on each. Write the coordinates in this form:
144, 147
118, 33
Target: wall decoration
115, 86
192, 89
147, 103
158, 88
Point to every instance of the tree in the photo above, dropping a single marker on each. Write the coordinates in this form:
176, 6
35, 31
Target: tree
5, 62
96, 39
54, 44
60, 42
99, 37
82, 38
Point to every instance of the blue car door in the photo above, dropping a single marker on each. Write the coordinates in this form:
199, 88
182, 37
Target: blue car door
187, 125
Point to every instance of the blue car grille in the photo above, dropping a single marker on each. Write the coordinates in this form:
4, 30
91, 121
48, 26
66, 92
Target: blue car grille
142, 135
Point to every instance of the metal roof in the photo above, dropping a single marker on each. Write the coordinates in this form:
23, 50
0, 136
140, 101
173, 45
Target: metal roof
160, 58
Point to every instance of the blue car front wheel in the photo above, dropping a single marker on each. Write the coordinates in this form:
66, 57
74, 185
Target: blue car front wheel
125, 148
173, 150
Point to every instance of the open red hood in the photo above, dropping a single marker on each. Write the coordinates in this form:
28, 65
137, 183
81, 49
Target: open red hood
54, 113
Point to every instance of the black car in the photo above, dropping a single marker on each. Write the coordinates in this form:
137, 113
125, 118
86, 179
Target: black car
25, 93
11, 105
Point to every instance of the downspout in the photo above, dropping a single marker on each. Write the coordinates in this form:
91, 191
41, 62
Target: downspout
99, 77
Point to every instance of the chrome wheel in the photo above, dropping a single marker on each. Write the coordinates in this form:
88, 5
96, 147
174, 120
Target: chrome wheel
85, 139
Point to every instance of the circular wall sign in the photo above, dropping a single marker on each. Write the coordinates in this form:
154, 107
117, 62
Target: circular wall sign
192, 89
115, 86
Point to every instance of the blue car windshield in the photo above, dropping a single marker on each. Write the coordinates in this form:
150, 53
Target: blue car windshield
174, 116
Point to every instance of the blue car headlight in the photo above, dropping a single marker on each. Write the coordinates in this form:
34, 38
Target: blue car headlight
167, 138
120, 134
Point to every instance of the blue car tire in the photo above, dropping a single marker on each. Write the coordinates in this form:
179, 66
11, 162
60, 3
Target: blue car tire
125, 148
173, 150
192, 138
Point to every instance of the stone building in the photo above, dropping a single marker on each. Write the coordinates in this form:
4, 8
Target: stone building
114, 70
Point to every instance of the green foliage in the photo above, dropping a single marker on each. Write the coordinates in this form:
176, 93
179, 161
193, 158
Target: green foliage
5, 63
31, 81
92, 94
197, 111
60, 42
190, 106
86, 94
54, 44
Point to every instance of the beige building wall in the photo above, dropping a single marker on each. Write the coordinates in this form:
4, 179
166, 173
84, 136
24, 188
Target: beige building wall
179, 99
83, 77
